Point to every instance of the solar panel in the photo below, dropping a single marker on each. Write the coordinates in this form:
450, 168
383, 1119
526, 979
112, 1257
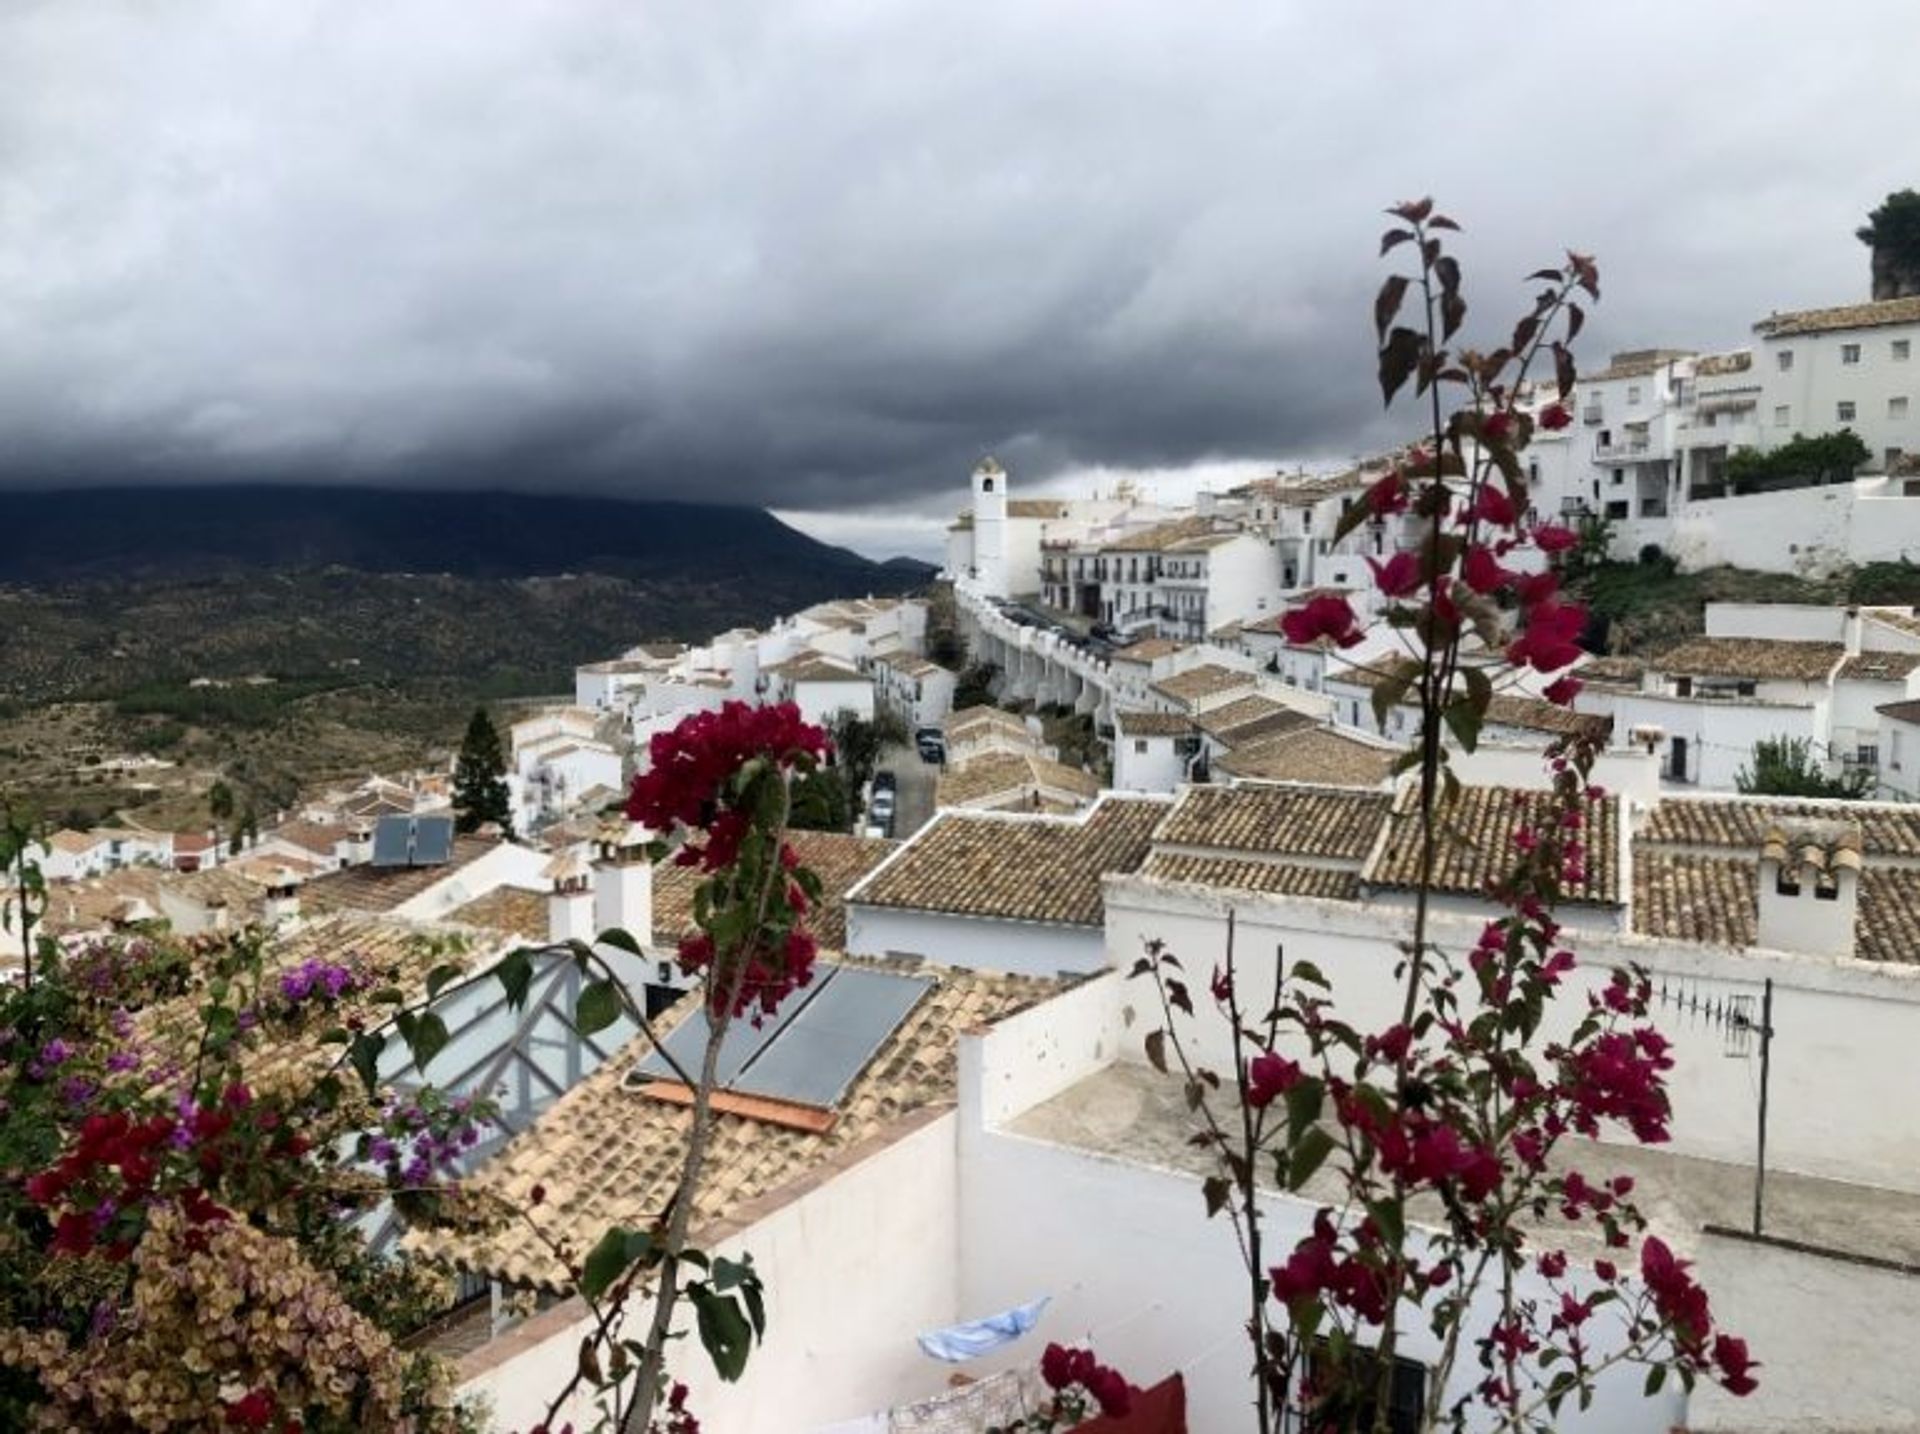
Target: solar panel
432, 841
391, 839
687, 1044
817, 1055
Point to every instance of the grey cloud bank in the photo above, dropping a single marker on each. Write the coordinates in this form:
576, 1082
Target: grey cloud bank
821, 257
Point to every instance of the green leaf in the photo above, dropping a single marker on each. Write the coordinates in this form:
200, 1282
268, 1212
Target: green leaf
1656, 1380
1216, 1189
599, 1007
1387, 693
1464, 722
389, 996
1386, 304
1479, 688
1308, 972
724, 1331
515, 973
1388, 1216
364, 1056
427, 1038
440, 975
1351, 517
1399, 355
1304, 1102
614, 936
1314, 1146
608, 1260
1157, 1050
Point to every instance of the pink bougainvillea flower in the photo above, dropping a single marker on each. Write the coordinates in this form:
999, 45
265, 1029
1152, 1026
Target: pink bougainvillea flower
1549, 641
1482, 572
1554, 538
1562, 690
1327, 616
1387, 496
1491, 505
1269, 1076
1398, 576
1555, 416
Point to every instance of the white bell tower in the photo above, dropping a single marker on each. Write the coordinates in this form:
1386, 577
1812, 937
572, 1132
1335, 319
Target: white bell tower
990, 527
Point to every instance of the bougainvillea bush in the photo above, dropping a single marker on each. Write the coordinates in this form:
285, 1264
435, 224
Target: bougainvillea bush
1435, 1150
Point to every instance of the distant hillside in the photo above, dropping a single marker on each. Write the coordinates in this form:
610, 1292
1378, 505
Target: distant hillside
198, 532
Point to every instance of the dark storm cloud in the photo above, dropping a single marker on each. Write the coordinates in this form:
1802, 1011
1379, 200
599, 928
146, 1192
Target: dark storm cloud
823, 256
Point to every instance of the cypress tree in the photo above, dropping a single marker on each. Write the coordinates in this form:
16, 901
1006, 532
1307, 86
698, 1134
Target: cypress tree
479, 779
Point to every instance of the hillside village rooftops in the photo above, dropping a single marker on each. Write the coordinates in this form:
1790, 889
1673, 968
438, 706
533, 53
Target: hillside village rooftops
1276, 878
1037, 508
1878, 667
1249, 718
81, 906
1320, 755
1150, 649
76, 843
1000, 778
815, 667
1154, 724
1687, 896
1844, 316
1199, 683
609, 1152
1636, 364
1887, 829
908, 665
971, 722
508, 910
1611, 672
1756, 658
1476, 842
839, 859
1536, 714
1719, 365
1160, 536
1322, 822
1015, 868
382, 888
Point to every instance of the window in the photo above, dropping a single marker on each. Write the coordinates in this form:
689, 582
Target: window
986, 485
1897, 407
1140, 746
1893, 459
1843, 411
1633, 393
1354, 1407
1849, 353
1867, 754
1683, 687
1619, 476
1780, 416
1785, 359
1618, 510
1784, 883
1902, 350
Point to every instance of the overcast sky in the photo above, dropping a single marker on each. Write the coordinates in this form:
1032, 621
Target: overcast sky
823, 256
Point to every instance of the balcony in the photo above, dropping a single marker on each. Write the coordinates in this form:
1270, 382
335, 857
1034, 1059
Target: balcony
1592, 414
1633, 450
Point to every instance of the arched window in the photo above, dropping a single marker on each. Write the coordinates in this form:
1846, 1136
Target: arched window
986, 485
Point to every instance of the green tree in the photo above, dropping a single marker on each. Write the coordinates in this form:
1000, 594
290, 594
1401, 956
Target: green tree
1825, 458
1892, 231
479, 778
1786, 767
975, 687
219, 807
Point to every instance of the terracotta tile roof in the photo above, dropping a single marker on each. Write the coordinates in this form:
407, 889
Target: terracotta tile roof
390, 954
1611, 671
1908, 711
1249, 718
1239, 874
511, 910
1886, 828
76, 843
840, 859
1900, 619
1153, 724
1016, 868
1009, 779
1314, 754
1637, 364
1878, 667
968, 721
815, 667
607, 1153
1751, 657
910, 665
193, 843
1160, 536
1715, 365
381, 888
1149, 649
1683, 896
1276, 821
1475, 845
81, 906
1535, 714
1367, 676
1306, 492
1844, 316
1036, 508
319, 837
1197, 683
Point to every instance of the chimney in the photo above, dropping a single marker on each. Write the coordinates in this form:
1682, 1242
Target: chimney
1809, 888
360, 843
283, 898
623, 880
219, 917
570, 904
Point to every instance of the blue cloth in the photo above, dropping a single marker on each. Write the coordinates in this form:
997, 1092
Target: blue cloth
961, 1342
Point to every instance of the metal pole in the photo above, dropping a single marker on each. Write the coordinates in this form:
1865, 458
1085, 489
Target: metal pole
1766, 1052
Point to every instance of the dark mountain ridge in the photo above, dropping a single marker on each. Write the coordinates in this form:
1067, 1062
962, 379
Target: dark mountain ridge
160, 533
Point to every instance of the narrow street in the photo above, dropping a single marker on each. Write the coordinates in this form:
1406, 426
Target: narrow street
914, 804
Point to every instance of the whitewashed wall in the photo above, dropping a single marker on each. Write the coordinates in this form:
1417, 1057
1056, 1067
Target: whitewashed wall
1029, 948
854, 1268
1846, 1028
1160, 768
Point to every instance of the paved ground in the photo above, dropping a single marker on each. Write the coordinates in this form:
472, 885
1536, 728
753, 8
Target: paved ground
914, 807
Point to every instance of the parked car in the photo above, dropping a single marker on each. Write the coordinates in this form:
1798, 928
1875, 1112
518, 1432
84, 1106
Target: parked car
885, 781
934, 751
929, 734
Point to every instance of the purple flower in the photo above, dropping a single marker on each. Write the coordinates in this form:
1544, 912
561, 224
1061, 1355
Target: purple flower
121, 1061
